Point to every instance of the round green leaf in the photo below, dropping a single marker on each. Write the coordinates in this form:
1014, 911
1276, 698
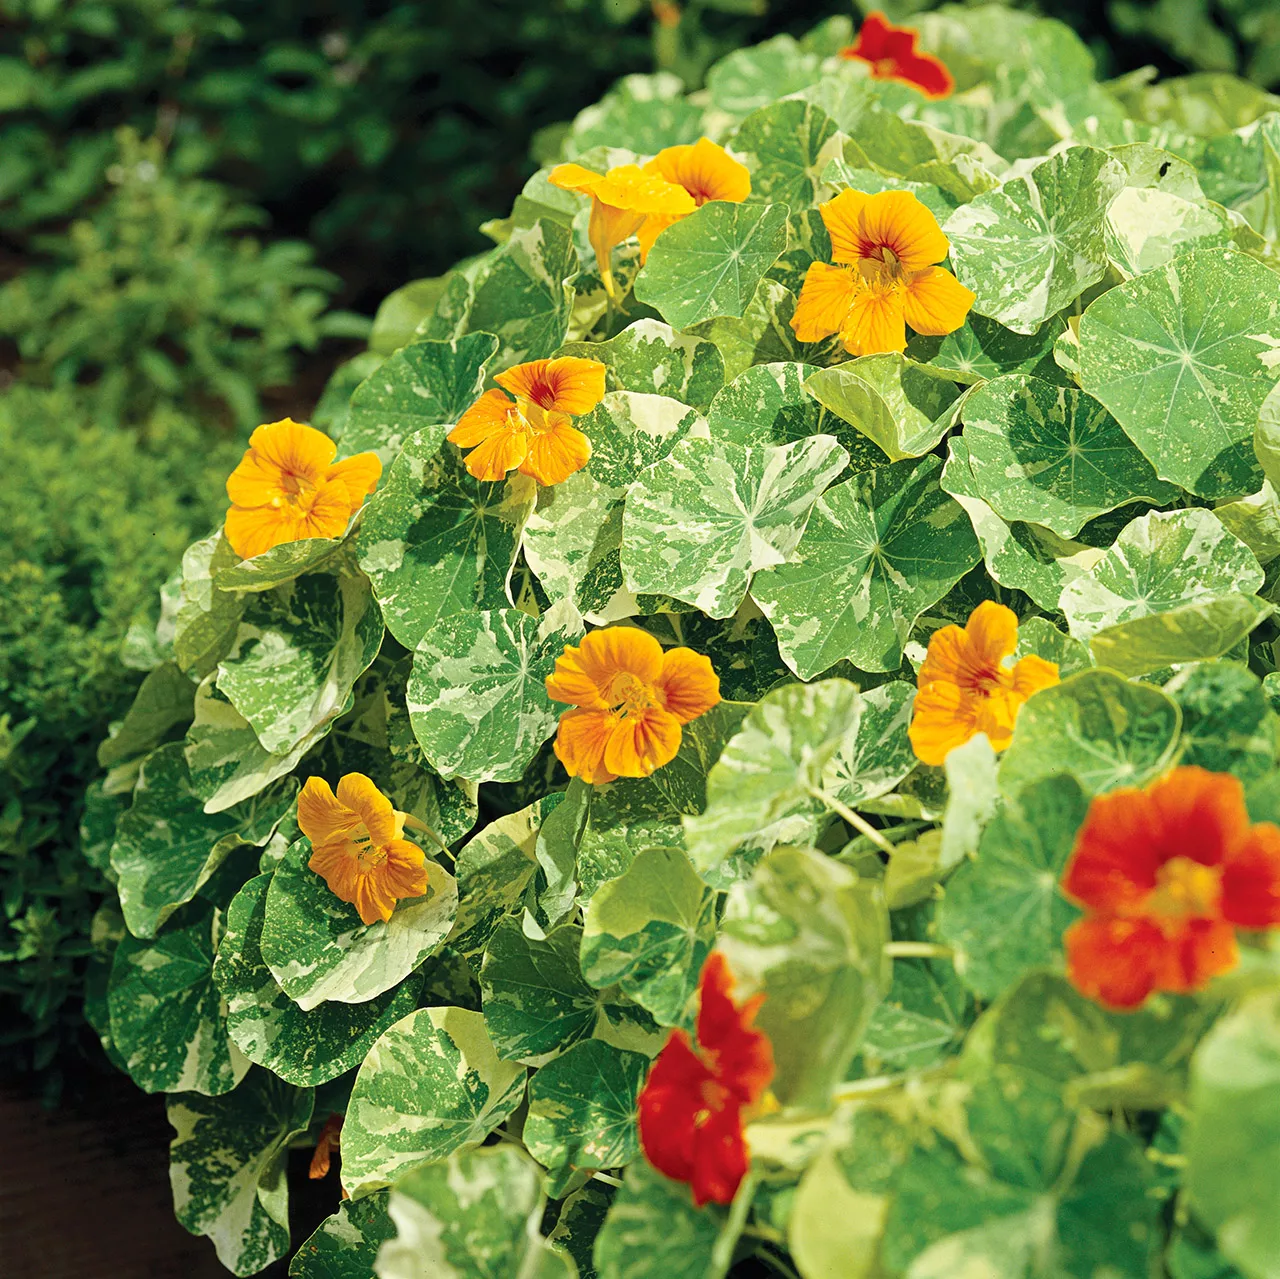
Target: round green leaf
345, 1245
1227, 725
279, 565
784, 145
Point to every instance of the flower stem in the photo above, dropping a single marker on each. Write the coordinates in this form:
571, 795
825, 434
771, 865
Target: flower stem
859, 1088
414, 824
860, 824
727, 1240
918, 950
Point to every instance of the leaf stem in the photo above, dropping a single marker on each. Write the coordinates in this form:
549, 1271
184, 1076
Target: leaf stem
727, 1239
412, 823
776, 1263
860, 824
918, 950
607, 1178
870, 1087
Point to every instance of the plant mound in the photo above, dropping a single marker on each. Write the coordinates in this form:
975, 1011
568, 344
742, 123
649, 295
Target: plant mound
942, 911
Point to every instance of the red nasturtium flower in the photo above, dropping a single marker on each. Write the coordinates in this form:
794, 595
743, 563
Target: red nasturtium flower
966, 686
891, 53
288, 487
533, 432
358, 845
1166, 875
630, 701
693, 1103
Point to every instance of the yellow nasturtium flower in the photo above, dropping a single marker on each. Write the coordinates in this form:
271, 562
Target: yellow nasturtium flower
885, 248
288, 487
621, 201
706, 170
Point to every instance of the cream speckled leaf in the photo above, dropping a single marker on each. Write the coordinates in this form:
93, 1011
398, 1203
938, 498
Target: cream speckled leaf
650, 931
761, 334
1035, 244
582, 1111
163, 701
901, 406
269, 1028
477, 695
1184, 357
651, 357
641, 112
767, 404
785, 146
168, 1021
278, 565
762, 785
429, 1087
878, 755
227, 1167
317, 949
345, 1245
205, 618
983, 348
435, 541
1097, 726
299, 652
810, 934
699, 524
878, 550
166, 846
1146, 228
425, 384
1052, 455
1161, 561
709, 263
476, 1215
749, 78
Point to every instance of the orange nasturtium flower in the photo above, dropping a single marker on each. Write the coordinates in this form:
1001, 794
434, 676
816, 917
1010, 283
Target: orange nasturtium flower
330, 1139
629, 702
706, 170
358, 845
891, 53
288, 487
1166, 875
691, 1106
621, 201
966, 687
535, 431
885, 247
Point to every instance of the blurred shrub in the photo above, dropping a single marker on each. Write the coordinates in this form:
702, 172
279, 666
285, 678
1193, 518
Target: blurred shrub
94, 521
157, 298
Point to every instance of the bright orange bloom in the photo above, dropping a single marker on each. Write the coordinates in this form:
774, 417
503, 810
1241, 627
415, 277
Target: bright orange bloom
630, 700
358, 845
1166, 875
535, 431
692, 1104
288, 487
965, 687
329, 1140
706, 170
621, 201
891, 53
885, 247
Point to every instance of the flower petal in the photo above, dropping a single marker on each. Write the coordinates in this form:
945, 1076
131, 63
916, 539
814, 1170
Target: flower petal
992, 633
323, 817
741, 1055
1031, 674
294, 447
897, 220
573, 177
641, 743
581, 739
1199, 814
942, 718
689, 684
584, 673
503, 451
1114, 960
629, 187
482, 421
705, 169
1114, 863
826, 298
720, 1157
936, 302
256, 481
995, 710
404, 873
875, 323
556, 453
1251, 880
1200, 951
337, 865
569, 384
358, 793
252, 530
842, 216
669, 1104
359, 475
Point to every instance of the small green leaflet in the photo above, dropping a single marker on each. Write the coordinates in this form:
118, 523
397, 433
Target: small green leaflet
477, 695
227, 1167
168, 1021
582, 1111
299, 652
270, 1029
1184, 357
435, 541
810, 934
1035, 243
317, 949
1160, 561
1102, 729
425, 384
167, 846
651, 357
1052, 455
762, 788
345, 1245
650, 931
699, 524
901, 406
1003, 911
709, 263
432, 1085
786, 147
878, 550
475, 1215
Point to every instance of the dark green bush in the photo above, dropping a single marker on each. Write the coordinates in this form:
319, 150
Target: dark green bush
94, 522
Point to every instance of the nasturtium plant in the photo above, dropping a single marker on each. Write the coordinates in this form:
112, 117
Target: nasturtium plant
804, 633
